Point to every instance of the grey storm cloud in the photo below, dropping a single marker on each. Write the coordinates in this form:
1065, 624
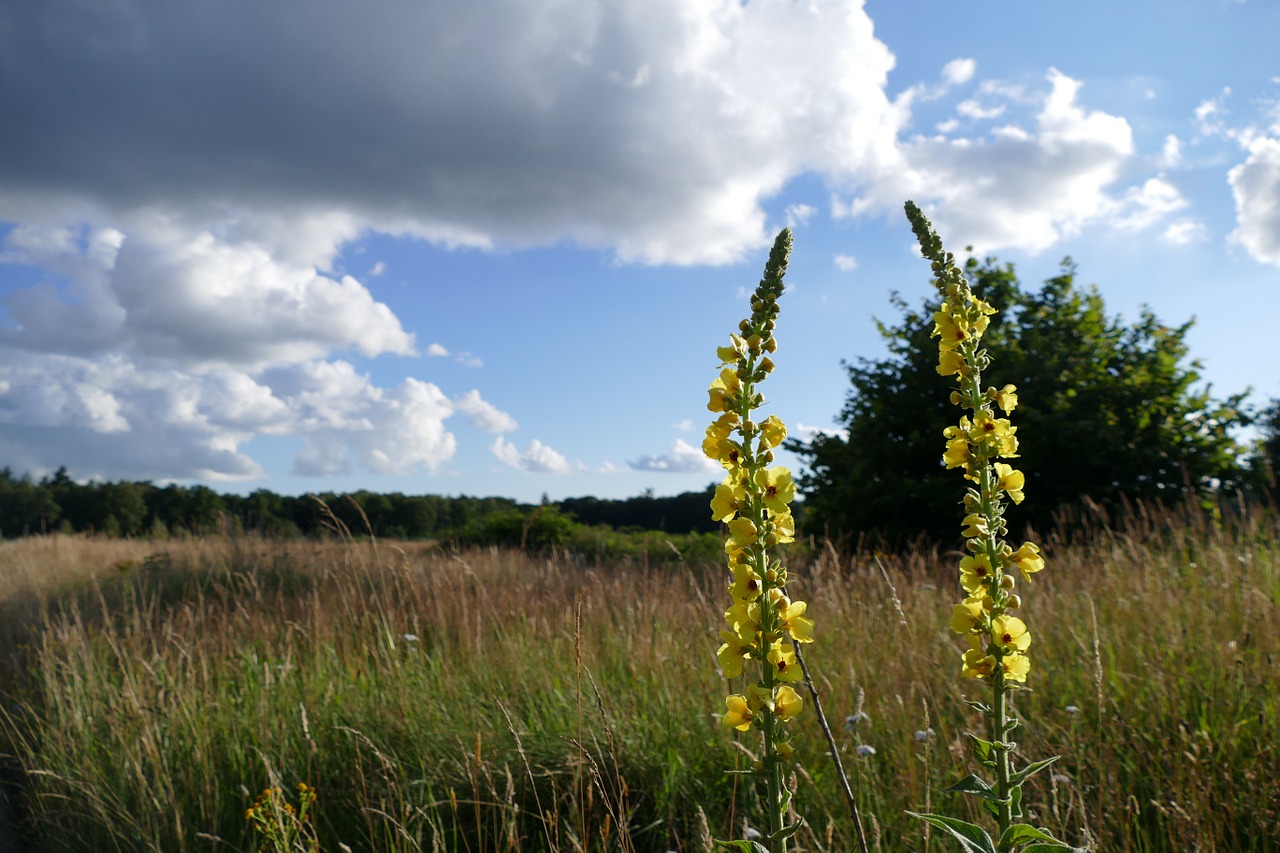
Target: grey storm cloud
496, 120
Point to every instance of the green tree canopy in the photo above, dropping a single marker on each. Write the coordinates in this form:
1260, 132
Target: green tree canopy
1106, 410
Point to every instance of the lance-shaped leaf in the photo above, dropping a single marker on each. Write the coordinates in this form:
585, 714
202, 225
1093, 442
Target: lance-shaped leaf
1020, 776
973, 784
973, 839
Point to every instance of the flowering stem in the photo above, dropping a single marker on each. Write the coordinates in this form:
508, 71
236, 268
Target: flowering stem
999, 697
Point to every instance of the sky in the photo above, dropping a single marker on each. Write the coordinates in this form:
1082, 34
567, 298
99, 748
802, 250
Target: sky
489, 248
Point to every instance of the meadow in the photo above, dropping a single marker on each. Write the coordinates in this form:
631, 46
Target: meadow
496, 700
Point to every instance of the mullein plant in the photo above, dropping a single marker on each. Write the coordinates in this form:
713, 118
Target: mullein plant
998, 640
754, 500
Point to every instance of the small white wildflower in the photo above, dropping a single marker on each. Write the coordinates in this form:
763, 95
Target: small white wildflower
1060, 779
751, 832
924, 734
1072, 709
409, 638
855, 718
865, 749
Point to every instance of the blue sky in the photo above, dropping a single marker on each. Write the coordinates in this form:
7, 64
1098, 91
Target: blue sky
490, 248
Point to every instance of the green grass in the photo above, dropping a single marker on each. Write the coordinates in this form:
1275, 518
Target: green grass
556, 704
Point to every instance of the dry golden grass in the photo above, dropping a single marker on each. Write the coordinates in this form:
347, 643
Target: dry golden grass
153, 689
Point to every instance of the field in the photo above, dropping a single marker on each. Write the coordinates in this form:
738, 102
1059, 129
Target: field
491, 700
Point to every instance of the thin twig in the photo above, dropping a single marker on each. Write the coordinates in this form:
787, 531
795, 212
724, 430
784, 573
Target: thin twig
835, 752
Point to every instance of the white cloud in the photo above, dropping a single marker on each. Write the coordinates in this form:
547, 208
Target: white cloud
799, 214
484, 415
378, 269
1183, 232
806, 433
537, 458
959, 71
1015, 188
1171, 154
682, 458
974, 110
846, 263
685, 425
654, 129
1255, 184
161, 290
1144, 206
466, 359
436, 350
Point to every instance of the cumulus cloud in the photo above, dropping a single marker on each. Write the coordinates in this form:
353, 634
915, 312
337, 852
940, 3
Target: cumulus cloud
1020, 186
164, 291
846, 263
959, 71
112, 418
537, 458
1255, 184
653, 128
483, 414
681, 458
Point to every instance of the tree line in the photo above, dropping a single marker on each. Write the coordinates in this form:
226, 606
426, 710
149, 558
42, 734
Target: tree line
1109, 413
57, 503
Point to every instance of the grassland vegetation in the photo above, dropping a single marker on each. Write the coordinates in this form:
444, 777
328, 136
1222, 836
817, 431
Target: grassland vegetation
487, 699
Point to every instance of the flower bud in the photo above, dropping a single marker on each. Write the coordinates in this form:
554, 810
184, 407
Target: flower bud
770, 344
1006, 581
1014, 602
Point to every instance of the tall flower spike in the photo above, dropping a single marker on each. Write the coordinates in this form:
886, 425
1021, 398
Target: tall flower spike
754, 501
998, 642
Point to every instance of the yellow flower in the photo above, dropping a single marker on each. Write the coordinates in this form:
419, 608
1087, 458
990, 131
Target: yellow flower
990, 430
784, 529
967, 616
724, 390
957, 453
975, 524
977, 664
742, 534
746, 583
1028, 560
1006, 398
948, 329
730, 499
778, 488
1015, 667
732, 654
784, 663
787, 703
975, 569
737, 349
951, 363
791, 617
1010, 633
773, 431
1010, 480
739, 713
744, 618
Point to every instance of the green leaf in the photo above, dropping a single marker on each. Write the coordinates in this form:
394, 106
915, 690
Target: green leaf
973, 839
1050, 847
981, 748
985, 710
972, 784
786, 832
1019, 776
1021, 833
1015, 801
744, 846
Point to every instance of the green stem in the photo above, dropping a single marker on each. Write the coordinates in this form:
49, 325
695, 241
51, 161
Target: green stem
999, 719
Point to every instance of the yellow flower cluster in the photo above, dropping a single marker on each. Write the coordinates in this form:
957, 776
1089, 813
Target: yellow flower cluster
998, 640
755, 502
281, 826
